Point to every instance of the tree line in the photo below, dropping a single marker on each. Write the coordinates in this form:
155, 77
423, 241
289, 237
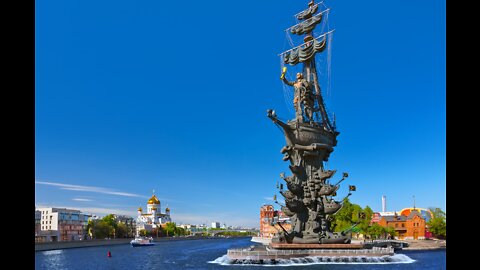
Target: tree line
110, 227
170, 229
352, 213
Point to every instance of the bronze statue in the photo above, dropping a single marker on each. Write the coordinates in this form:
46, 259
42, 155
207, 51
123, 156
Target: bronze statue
303, 95
309, 199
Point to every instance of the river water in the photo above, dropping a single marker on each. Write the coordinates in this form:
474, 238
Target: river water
208, 254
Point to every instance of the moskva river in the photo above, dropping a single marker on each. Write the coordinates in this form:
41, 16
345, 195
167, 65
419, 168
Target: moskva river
209, 254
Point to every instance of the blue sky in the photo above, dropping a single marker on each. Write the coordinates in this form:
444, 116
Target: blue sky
133, 96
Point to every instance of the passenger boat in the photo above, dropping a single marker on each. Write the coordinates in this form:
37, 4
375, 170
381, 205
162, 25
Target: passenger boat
142, 241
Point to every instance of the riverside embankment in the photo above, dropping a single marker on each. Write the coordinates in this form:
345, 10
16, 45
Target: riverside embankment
425, 244
109, 242
79, 244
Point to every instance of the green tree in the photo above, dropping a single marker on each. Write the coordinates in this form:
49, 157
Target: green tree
170, 228
343, 218
390, 231
365, 223
90, 225
180, 231
102, 229
121, 231
110, 220
438, 223
375, 231
348, 215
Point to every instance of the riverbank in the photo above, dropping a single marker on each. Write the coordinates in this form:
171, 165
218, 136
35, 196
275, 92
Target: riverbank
79, 244
429, 244
110, 242
425, 244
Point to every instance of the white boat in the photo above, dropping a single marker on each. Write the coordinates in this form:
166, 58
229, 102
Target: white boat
142, 241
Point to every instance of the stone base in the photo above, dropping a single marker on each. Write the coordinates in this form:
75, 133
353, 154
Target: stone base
261, 253
314, 246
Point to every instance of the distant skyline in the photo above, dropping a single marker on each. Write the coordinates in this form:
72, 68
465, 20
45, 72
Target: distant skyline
133, 97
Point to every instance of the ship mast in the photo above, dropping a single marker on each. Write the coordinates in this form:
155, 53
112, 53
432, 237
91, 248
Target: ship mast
305, 53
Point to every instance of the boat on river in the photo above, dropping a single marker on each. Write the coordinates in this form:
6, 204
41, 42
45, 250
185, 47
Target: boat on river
142, 241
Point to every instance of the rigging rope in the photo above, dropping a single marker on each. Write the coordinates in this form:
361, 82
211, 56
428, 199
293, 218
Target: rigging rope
289, 38
329, 64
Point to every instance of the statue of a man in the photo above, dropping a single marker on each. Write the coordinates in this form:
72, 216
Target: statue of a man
303, 95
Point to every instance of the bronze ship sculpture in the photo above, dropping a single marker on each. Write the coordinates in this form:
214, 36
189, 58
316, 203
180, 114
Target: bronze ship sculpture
310, 138
309, 195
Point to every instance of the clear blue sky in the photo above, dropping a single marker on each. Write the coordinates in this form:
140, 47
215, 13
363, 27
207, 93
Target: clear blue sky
172, 95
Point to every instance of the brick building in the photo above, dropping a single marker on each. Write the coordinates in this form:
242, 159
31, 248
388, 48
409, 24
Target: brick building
409, 225
268, 221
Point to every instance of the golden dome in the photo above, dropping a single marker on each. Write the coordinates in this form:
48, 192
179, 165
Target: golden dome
167, 209
140, 209
153, 200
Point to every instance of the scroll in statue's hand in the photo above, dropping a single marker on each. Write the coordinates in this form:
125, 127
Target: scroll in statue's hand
283, 73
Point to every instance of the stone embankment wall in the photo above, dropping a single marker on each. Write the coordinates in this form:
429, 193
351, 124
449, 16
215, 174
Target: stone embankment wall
426, 244
79, 244
108, 242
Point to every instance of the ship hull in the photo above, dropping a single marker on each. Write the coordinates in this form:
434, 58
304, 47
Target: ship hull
142, 245
309, 139
308, 135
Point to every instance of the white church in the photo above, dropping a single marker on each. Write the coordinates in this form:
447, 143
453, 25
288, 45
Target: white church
153, 218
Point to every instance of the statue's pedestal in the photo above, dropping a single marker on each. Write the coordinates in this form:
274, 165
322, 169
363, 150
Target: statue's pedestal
322, 252
314, 246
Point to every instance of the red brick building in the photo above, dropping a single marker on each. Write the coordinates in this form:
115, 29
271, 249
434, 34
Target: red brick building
408, 225
268, 221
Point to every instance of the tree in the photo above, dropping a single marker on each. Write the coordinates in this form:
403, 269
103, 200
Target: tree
438, 223
390, 231
102, 229
110, 220
343, 218
170, 228
180, 231
349, 214
365, 223
121, 231
375, 231
90, 225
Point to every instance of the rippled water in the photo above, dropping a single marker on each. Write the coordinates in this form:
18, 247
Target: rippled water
207, 254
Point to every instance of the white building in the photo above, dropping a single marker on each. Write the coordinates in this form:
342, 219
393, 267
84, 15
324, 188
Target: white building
388, 213
186, 226
215, 225
154, 217
61, 224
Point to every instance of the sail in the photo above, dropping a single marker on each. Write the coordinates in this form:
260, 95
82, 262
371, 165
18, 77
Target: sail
307, 13
307, 25
300, 55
